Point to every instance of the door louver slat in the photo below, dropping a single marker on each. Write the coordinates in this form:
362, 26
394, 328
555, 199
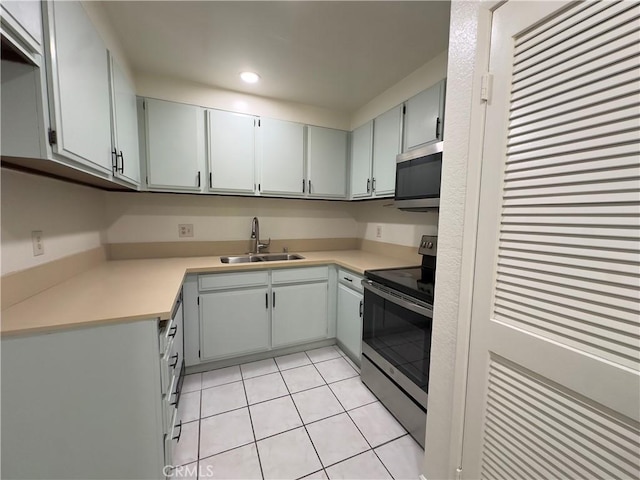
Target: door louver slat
559, 435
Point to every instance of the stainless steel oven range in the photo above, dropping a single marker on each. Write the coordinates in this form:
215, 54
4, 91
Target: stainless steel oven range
396, 337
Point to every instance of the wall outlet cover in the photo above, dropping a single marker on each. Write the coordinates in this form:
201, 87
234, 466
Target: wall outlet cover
185, 230
38, 243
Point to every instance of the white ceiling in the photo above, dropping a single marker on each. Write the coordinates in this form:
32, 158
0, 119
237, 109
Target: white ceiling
331, 54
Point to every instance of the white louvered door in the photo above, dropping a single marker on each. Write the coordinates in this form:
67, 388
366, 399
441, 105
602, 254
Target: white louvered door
553, 388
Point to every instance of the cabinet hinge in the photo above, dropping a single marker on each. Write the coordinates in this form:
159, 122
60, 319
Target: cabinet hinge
53, 137
485, 87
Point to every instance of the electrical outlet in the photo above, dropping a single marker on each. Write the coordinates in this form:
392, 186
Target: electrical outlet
379, 231
185, 230
38, 243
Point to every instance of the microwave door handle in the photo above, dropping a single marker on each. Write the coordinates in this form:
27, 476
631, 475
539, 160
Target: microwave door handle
402, 302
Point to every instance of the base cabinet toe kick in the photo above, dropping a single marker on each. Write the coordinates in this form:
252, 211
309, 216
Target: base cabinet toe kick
92, 402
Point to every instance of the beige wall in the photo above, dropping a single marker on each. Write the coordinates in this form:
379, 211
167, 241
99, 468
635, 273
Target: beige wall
152, 217
401, 228
70, 216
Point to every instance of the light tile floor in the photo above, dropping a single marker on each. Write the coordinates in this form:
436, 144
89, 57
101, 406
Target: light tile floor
305, 415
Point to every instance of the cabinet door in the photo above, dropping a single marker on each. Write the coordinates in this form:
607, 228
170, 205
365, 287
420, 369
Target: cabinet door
282, 154
80, 88
387, 144
234, 322
299, 313
231, 152
124, 116
175, 145
349, 331
361, 142
25, 19
423, 117
327, 162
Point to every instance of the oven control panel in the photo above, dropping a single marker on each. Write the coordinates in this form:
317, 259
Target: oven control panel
428, 245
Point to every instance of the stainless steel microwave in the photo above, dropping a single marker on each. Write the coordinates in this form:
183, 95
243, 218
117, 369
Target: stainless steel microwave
418, 174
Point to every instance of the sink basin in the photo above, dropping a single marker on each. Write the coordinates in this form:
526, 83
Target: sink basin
263, 257
274, 257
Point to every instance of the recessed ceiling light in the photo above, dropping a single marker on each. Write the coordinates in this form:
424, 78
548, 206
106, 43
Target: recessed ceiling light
250, 77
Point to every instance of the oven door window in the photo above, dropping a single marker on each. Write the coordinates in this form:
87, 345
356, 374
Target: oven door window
400, 336
419, 178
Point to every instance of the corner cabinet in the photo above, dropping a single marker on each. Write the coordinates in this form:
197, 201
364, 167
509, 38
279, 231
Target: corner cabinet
326, 162
387, 144
374, 147
231, 140
91, 402
78, 88
281, 150
424, 117
361, 151
174, 134
124, 126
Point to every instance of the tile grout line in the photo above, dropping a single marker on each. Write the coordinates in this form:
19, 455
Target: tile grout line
358, 428
305, 429
255, 440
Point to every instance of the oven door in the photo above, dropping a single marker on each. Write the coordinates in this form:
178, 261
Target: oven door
396, 337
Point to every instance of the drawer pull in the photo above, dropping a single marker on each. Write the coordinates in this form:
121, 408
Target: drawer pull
173, 330
179, 432
347, 279
174, 364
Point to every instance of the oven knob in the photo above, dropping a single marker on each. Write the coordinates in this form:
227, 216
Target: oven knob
430, 245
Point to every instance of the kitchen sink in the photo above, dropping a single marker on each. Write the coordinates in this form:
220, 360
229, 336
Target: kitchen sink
263, 257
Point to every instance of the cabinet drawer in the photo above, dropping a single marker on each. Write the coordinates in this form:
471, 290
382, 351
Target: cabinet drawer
221, 281
350, 279
307, 274
167, 334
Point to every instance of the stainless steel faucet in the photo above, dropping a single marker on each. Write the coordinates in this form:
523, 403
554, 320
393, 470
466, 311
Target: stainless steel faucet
256, 246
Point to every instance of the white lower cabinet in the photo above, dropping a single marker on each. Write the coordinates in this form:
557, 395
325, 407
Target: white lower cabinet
234, 322
299, 313
349, 315
250, 312
85, 402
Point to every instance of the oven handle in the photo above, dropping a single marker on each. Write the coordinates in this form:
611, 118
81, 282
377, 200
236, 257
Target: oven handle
398, 300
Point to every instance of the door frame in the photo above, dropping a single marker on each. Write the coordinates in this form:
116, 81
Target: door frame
464, 145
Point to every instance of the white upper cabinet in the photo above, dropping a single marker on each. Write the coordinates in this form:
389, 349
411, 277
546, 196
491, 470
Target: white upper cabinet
361, 150
387, 144
79, 88
327, 162
175, 146
22, 20
124, 118
282, 157
424, 117
231, 153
